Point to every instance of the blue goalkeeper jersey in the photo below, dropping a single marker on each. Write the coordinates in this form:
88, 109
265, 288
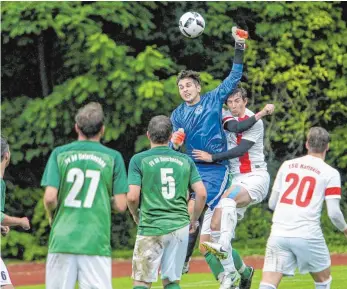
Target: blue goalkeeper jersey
202, 122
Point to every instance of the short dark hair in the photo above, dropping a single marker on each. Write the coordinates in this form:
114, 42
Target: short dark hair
189, 74
160, 129
5, 148
90, 119
318, 139
241, 91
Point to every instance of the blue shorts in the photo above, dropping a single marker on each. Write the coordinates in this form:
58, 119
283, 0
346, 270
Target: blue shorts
215, 178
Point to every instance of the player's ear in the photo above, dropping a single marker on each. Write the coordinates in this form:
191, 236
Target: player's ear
78, 131
102, 131
7, 158
307, 146
328, 147
198, 88
148, 136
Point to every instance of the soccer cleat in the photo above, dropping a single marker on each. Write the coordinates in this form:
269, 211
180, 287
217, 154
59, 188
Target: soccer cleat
229, 280
185, 269
245, 283
216, 249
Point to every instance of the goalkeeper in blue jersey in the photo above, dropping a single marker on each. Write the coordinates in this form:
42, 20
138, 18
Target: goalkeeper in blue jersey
199, 121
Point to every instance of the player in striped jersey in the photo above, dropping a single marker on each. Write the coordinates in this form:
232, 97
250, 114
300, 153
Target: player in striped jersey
250, 179
298, 194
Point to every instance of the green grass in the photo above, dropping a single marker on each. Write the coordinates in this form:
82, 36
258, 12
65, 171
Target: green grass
201, 281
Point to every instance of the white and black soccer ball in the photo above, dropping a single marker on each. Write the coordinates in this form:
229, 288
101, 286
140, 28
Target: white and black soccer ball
192, 24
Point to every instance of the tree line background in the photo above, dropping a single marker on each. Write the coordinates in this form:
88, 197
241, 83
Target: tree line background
57, 56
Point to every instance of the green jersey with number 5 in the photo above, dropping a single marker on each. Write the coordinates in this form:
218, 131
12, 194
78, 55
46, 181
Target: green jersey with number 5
86, 174
164, 176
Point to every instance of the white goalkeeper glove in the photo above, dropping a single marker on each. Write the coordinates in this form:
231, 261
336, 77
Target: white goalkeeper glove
240, 37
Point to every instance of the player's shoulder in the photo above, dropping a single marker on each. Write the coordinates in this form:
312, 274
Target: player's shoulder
181, 155
178, 109
110, 151
330, 171
248, 112
63, 148
141, 155
88, 146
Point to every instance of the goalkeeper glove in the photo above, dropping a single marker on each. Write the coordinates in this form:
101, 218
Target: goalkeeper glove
240, 37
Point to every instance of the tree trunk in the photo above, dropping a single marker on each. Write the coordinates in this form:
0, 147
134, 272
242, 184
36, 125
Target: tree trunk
42, 66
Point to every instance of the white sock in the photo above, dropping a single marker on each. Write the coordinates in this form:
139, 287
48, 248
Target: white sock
266, 286
242, 269
215, 236
228, 222
228, 263
324, 285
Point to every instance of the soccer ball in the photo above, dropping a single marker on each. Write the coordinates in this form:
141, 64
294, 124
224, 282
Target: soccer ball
192, 24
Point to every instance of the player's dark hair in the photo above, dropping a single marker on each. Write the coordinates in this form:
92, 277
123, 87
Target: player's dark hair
90, 119
241, 91
4, 147
160, 129
189, 74
318, 139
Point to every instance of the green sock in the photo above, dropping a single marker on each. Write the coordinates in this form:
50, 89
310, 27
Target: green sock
172, 286
140, 287
241, 267
214, 264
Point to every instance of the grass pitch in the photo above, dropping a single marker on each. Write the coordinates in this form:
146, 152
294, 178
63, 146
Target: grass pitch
201, 281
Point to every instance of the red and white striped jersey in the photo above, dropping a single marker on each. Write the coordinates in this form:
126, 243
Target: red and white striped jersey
301, 186
254, 158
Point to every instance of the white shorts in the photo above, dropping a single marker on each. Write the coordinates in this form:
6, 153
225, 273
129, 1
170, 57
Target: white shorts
257, 185
91, 272
284, 255
5, 277
166, 251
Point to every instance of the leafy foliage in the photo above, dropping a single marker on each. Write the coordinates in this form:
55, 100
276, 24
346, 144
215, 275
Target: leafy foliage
125, 55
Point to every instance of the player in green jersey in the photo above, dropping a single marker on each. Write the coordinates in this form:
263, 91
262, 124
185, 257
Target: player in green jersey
6, 220
160, 177
82, 179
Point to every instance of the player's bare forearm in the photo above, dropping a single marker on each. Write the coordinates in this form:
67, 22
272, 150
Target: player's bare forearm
267, 110
10, 221
133, 200
200, 200
133, 207
50, 199
15, 221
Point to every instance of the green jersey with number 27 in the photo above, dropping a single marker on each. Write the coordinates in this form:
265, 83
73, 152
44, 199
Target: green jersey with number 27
164, 176
86, 174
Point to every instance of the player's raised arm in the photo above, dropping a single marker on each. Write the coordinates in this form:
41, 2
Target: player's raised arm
232, 125
229, 84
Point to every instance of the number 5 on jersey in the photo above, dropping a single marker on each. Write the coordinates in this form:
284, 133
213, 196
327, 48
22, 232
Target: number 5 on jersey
169, 185
77, 177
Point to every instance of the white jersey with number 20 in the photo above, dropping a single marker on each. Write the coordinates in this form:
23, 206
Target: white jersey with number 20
302, 185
